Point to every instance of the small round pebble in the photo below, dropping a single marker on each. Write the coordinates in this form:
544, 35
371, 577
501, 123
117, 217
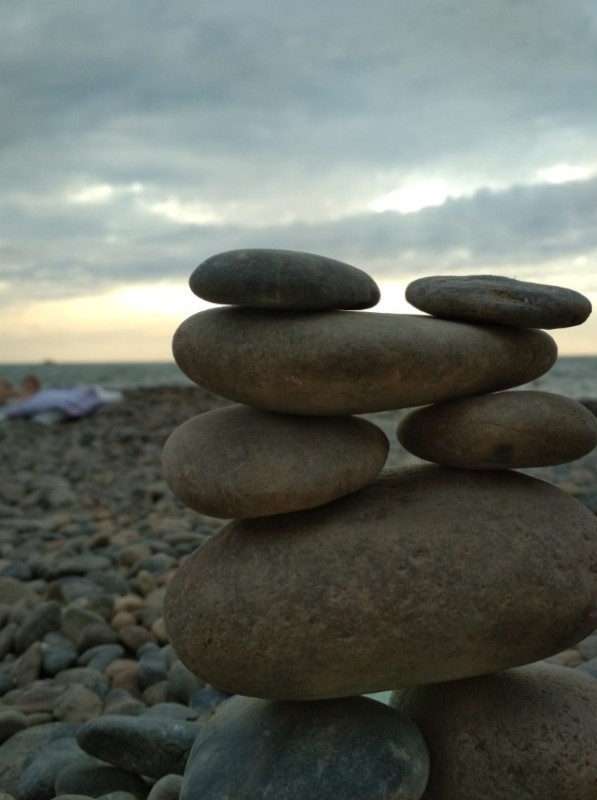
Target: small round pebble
264, 278
492, 298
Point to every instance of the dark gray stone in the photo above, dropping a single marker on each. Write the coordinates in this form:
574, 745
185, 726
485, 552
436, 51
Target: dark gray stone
30, 741
344, 362
101, 655
153, 747
41, 769
282, 279
492, 298
171, 711
42, 619
92, 776
57, 659
167, 788
354, 748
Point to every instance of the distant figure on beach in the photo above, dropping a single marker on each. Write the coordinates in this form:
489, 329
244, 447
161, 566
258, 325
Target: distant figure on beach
47, 406
29, 385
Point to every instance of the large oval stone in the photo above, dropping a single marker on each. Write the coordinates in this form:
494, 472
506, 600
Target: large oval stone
525, 734
345, 362
426, 574
282, 279
504, 430
239, 462
355, 748
492, 298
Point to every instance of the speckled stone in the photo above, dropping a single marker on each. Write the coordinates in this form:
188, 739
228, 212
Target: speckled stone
282, 279
355, 748
426, 574
492, 298
239, 462
506, 430
344, 362
525, 734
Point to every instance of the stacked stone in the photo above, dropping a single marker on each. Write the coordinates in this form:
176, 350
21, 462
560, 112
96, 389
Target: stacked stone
334, 581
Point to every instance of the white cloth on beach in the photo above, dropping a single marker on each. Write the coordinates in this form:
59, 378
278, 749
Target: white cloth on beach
51, 405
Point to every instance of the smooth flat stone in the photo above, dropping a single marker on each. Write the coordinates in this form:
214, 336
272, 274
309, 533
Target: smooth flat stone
143, 745
507, 430
344, 362
355, 748
239, 462
492, 298
426, 574
282, 279
528, 734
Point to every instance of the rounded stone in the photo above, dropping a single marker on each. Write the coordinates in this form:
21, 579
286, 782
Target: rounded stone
492, 298
507, 430
528, 733
282, 279
343, 362
145, 746
237, 462
355, 748
427, 574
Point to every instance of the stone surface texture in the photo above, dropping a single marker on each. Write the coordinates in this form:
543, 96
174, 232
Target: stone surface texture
525, 734
492, 298
344, 362
284, 279
241, 462
355, 748
427, 574
507, 430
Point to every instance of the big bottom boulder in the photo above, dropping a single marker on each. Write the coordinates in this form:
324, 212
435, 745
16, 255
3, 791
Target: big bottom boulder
524, 734
352, 749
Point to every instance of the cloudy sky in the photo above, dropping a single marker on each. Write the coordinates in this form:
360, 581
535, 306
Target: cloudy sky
139, 137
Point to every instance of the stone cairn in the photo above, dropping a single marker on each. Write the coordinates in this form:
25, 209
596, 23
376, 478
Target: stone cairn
447, 582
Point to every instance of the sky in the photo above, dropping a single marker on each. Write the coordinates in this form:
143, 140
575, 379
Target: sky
138, 138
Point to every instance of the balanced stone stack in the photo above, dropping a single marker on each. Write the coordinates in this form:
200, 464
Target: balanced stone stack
335, 579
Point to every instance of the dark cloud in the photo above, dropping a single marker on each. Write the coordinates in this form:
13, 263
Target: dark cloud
283, 121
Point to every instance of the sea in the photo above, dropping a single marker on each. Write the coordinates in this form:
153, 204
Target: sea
572, 376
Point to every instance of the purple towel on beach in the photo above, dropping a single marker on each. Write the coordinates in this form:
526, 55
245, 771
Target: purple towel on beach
73, 403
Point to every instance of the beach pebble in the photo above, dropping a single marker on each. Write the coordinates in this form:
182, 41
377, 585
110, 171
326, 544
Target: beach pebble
44, 618
507, 430
426, 574
77, 704
41, 769
528, 733
167, 788
343, 362
493, 298
282, 279
92, 776
355, 748
11, 722
242, 462
26, 668
24, 743
145, 746
57, 659
12, 590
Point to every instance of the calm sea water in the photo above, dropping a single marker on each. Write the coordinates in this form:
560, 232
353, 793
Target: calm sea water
573, 376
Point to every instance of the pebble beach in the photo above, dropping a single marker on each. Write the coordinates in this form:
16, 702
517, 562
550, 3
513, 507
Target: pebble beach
90, 536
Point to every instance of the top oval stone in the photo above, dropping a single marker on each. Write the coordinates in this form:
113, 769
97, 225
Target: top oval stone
344, 362
491, 298
282, 279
